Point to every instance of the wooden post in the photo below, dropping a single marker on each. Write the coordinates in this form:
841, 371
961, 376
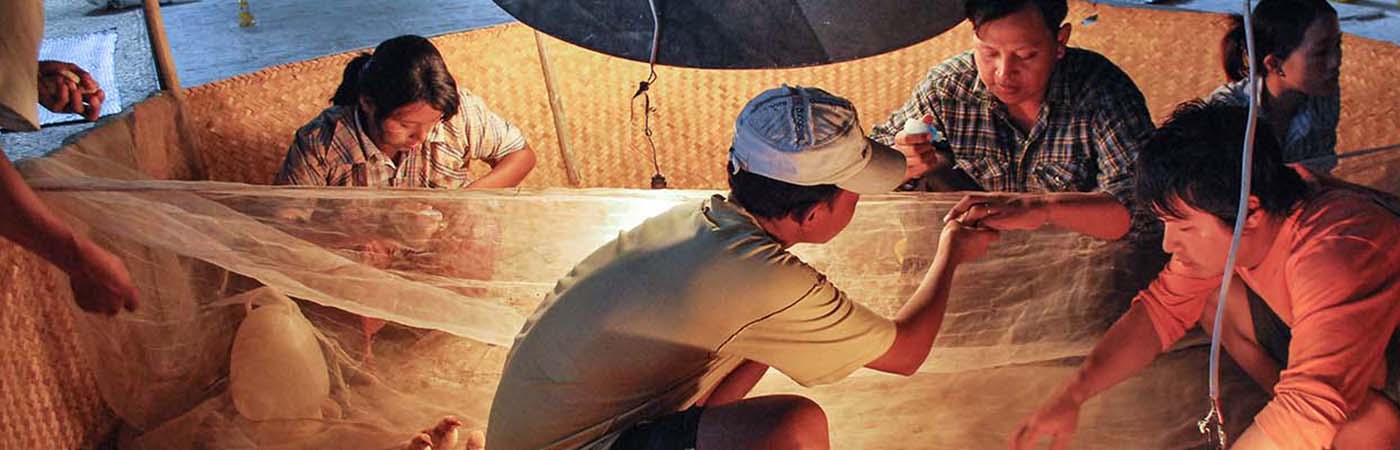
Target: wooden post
160, 47
556, 106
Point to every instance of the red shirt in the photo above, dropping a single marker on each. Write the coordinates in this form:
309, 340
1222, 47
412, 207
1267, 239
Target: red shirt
1333, 276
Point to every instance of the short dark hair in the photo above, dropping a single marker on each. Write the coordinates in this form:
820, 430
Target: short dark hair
1195, 157
771, 199
983, 11
401, 70
1279, 26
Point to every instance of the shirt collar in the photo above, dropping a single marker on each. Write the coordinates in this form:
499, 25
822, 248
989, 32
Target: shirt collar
439, 134
722, 212
370, 152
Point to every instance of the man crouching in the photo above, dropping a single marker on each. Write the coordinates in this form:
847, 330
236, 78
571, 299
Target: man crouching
1314, 302
653, 341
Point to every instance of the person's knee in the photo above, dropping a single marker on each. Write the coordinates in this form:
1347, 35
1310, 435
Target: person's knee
770, 421
1375, 425
802, 424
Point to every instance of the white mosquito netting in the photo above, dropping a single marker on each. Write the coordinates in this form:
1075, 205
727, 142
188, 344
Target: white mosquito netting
220, 355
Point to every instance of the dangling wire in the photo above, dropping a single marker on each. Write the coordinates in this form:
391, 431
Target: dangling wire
1215, 420
658, 181
1213, 426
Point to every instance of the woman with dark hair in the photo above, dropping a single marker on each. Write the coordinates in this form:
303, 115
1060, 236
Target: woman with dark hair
398, 119
1298, 55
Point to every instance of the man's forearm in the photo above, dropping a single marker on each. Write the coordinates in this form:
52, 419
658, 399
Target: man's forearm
509, 171
1253, 439
1129, 346
737, 384
1093, 213
25, 220
918, 322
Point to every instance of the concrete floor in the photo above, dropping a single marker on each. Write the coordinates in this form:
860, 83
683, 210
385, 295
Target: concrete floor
208, 44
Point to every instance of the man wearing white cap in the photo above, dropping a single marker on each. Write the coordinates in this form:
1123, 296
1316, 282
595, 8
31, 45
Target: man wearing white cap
653, 341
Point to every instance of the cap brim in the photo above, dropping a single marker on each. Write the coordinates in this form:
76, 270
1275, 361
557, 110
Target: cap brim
883, 174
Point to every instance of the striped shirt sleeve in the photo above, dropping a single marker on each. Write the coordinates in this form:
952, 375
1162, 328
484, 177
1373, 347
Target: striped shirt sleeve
924, 100
303, 166
487, 135
1118, 134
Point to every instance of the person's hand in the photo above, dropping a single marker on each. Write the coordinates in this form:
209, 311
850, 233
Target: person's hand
1056, 420
60, 94
293, 213
415, 223
377, 252
920, 156
965, 243
66, 88
1001, 211
100, 282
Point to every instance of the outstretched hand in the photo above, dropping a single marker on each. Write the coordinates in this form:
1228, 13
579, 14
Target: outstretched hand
1056, 420
966, 241
1002, 211
100, 282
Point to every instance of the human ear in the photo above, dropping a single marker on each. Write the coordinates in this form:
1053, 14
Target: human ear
1255, 215
1272, 65
1062, 36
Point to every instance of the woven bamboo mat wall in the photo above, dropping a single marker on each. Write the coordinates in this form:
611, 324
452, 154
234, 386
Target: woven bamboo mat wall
49, 394
244, 124
239, 129
50, 397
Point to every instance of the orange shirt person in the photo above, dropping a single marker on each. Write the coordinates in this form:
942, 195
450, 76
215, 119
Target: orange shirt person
1313, 310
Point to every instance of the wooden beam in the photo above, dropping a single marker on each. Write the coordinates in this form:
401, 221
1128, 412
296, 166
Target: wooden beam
556, 106
160, 48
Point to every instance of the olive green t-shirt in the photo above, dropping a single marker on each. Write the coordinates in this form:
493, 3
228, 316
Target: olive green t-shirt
654, 320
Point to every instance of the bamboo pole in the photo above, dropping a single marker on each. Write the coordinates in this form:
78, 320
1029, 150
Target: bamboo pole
556, 106
160, 48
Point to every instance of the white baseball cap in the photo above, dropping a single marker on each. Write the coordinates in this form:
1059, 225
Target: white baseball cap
808, 137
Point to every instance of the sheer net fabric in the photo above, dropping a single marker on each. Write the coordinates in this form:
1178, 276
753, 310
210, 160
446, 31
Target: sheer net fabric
456, 273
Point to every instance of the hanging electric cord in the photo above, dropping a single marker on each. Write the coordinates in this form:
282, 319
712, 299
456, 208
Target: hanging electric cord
658, 181
1215, 420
